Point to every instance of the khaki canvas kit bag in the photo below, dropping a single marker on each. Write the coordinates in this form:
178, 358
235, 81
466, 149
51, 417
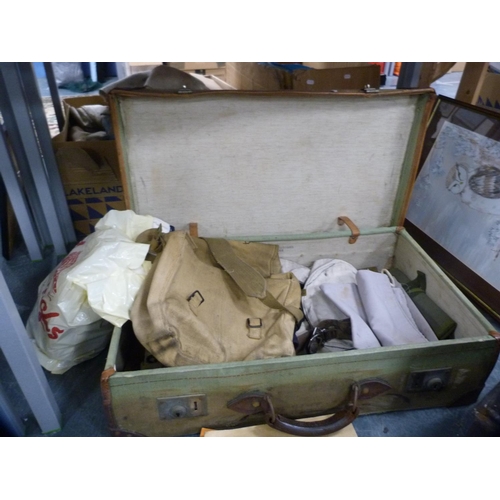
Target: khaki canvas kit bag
311, 176
212, 301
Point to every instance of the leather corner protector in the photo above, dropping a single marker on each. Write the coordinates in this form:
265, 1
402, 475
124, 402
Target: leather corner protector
106, 397
496, 336
106, 374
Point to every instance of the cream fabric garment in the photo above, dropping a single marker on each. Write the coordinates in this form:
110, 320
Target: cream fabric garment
387, 311
325, 271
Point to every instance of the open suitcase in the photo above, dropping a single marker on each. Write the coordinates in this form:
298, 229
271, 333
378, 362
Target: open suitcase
324, 175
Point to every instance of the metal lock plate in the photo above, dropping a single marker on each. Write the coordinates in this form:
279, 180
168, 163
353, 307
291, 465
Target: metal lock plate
182, 407
428, 380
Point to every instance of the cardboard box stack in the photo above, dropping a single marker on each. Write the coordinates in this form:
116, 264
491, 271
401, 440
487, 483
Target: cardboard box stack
217, 69
89, 172
489, 95
323, 77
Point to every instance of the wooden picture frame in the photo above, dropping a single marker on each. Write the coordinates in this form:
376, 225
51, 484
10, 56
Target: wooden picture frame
454, 211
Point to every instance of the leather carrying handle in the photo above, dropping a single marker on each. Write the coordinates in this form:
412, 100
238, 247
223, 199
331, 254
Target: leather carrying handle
332, 424
257, 402
353, 228
315, 429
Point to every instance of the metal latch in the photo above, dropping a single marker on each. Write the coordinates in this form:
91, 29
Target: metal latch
370, 90
428, 380
182, 407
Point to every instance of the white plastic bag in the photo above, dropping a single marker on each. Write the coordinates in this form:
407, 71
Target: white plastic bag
91, 290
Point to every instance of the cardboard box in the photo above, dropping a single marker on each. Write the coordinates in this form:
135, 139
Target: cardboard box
254, 76
89, 172
325, 80
335, 65
138, 67
489, 96
205, 68
195, 66
258, 76
458, 67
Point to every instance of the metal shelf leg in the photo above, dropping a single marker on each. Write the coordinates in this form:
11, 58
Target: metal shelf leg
13, 85
21, 356
35, 105
18, 201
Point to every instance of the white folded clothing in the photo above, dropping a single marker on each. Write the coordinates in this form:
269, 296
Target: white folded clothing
387, 311
316, 307
417, 316
345, 297
299, 271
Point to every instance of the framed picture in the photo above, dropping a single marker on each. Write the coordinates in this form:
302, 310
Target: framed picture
454, 212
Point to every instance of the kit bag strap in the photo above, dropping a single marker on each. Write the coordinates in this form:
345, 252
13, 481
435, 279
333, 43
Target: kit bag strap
250, 281
245, 276
270, 301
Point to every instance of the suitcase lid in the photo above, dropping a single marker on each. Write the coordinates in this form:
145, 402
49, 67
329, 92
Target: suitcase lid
243, 163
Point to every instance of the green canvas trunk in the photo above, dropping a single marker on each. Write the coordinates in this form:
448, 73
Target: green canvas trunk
293, 169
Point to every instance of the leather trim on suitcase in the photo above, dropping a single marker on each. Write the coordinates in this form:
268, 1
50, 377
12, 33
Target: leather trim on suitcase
108, 408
